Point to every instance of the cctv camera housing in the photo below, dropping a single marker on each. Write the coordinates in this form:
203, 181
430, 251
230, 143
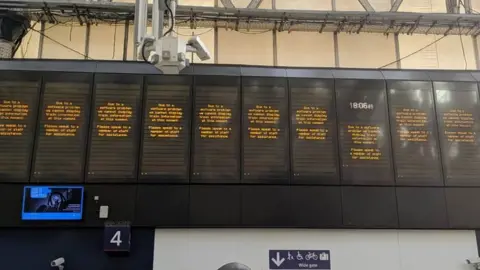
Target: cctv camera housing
473, 260
58, 262
200, 48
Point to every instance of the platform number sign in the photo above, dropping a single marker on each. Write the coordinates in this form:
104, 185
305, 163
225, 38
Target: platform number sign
117, 238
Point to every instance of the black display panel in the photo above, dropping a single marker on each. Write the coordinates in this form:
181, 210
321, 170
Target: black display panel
62, 135
363, 132
459, 128
18, 114
115, 124
313, 131
166, 130
414, 133
265, 130
216, 152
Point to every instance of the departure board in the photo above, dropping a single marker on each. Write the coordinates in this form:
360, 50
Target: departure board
114, 133
265, 130
18, 114
313, 131
414, 133
458, 110
166, 130
363, 132
216, 153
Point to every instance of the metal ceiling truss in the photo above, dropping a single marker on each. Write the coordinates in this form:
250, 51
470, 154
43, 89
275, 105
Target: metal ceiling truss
252, 4
395, 5
81, 12
366, 5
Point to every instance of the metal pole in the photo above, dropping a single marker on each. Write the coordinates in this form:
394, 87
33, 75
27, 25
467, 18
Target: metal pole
125, 40
157, 18
335, 47
173, 7
42, 39
397, 51
475, 51
87, 41
140, 28
275, 48
215, 44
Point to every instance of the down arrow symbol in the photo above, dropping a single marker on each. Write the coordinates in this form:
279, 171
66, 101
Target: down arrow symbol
278, 261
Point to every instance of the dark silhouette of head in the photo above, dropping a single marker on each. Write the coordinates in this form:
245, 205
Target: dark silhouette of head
234, 266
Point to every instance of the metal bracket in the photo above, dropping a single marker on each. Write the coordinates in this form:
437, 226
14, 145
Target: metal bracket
390, 27
400, 29
237, 23
362, 24
341, 25
450, 28
290, 27
284, 20
323, 24
410, 31
472, 28
47, 11
431, 27
78, 15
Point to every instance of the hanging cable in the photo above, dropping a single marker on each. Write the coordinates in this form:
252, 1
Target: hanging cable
61, 44
172, 22
413, 53
463, 47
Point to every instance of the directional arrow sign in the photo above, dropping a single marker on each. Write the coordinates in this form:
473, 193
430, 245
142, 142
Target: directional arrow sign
299, 259
279, 260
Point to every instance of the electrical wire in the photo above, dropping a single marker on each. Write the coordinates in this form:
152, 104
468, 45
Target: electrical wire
255, 33
143, 52
172, 19
28, 42
470, 9
463, 47
114, 40
199, 34
413, 53
61, 44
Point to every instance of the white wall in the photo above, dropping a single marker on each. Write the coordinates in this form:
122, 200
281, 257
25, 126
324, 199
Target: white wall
350, 249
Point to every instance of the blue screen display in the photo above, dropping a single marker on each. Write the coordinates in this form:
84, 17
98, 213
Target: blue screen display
52, 203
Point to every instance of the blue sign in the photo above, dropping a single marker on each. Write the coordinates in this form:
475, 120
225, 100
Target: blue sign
299, 259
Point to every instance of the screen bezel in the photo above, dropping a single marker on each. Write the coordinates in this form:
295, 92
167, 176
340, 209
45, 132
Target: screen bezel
43, 217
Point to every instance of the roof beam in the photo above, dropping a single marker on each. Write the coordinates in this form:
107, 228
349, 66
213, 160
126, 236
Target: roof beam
255, 4
366, 5
227, 3
452, 6
255, 19
396, 5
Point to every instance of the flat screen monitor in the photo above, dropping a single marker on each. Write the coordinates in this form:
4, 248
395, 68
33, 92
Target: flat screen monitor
52, 203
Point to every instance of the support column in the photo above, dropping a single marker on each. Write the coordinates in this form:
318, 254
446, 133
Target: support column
397, 51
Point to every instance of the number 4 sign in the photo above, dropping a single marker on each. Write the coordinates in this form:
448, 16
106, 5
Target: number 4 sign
116, 238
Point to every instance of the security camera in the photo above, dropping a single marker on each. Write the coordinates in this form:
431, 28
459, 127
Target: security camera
58, 263
475, 262
168, 53
200, 48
